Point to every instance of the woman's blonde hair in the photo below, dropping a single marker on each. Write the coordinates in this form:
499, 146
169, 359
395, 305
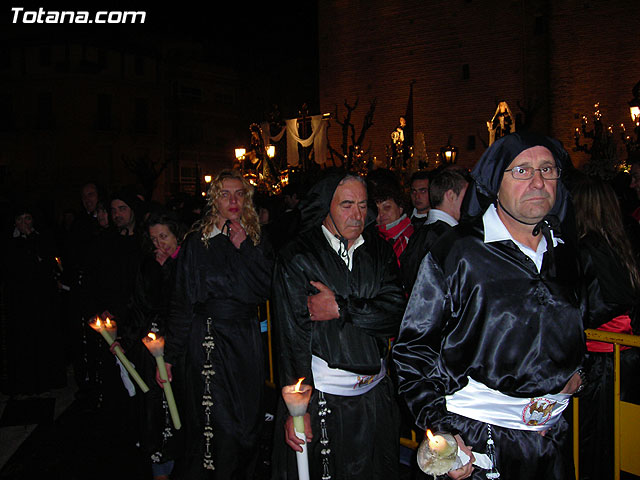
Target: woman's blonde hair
249, 218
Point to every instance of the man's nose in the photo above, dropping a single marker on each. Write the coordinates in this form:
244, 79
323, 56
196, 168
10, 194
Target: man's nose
537, 181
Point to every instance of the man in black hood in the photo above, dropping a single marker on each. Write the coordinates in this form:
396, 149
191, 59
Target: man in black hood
492, 341
338, 301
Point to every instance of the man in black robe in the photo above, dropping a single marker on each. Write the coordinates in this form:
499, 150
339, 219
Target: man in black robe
446, 192
492, 340
338, 300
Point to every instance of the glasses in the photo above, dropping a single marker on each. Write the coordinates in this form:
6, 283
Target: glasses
527, 173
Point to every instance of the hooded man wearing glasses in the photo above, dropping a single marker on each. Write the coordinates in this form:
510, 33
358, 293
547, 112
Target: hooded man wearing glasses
492, 341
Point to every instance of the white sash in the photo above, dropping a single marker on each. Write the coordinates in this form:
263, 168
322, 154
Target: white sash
481, 403
341, 382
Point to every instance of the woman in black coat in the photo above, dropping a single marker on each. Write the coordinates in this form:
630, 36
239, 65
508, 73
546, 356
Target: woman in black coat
224, 273
148, 312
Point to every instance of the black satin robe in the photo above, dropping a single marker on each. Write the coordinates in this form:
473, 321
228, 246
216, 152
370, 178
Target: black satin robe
363, 430
225, 284
484, 311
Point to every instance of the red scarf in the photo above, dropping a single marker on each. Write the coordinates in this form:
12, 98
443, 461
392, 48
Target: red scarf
398, 235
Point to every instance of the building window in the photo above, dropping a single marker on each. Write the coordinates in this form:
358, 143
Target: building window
141, 116
465, 72
45, 111
6, 107
5, 57
471, 142
139, 65
104, 112
45, 56
540, 26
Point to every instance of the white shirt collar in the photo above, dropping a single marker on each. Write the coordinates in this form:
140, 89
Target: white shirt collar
214, 232
415, 214
495, 231
335, 244
436, 215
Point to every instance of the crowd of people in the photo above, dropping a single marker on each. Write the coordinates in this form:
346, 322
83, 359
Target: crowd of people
455, 303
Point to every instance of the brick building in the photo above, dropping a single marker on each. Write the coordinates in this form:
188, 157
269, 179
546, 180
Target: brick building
554, 59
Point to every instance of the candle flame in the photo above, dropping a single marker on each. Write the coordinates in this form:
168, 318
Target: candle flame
429, 434
57, 260
108, 322
297, 389
151, 335
98, 323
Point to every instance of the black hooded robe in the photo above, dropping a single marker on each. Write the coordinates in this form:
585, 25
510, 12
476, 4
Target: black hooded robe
363, 430
224, 284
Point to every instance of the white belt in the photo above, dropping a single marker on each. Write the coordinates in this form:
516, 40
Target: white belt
481, 403
341, 382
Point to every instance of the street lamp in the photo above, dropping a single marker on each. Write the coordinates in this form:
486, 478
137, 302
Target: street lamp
449, 153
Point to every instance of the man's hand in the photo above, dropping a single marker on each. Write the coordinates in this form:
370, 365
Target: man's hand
466, 470
322, 306
290, 434
237, 235
159, 380
572, 385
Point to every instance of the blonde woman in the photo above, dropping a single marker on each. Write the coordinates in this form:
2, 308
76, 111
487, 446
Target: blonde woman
223, 274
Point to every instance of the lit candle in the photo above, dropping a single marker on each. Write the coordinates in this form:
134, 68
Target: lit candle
438, 444
59, 263
437, 454
297, 399
155, 345
108, 330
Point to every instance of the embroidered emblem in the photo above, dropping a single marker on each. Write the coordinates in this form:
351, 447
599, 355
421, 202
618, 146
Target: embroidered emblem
538, 411
363, 381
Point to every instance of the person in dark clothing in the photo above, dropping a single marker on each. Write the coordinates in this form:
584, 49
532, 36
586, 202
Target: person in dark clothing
148, 312
111, 269
605, 250
224, 272
35, 362
446, 192
392, 223
419, 185
492, 341
338, 301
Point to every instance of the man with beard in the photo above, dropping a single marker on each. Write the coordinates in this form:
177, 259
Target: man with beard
338, 301
492, 341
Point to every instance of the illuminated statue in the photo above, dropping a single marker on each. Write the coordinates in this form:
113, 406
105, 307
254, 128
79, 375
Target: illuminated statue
502, 123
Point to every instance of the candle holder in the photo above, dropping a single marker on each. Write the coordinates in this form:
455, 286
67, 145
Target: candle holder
297, 399
438, 454
155, 345
109, 329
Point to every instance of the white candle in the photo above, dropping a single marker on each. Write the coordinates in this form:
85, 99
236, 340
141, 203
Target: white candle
297, 399
437, 454
108, 330
155, 345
